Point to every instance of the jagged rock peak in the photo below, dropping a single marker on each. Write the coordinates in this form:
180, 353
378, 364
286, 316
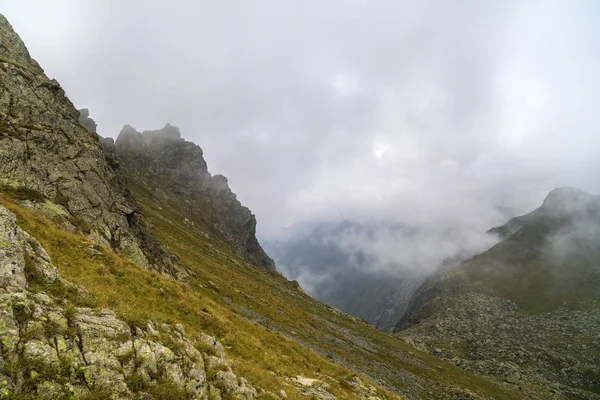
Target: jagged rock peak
129, 130
86, 121
163, 157
163, 151
169, 132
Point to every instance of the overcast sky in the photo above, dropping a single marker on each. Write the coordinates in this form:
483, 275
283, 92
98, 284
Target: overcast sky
435, 113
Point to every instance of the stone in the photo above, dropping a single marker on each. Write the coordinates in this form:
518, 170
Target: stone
514, 377
212, 343
304, 381
313, 387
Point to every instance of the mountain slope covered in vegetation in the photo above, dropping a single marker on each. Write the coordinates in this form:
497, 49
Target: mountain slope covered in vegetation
527, 310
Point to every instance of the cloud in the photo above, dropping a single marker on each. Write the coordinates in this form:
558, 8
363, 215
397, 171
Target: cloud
574, 239
438, 115
330, 259
397, 250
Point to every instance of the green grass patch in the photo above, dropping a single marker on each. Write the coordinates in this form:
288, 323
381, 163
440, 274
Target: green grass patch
524, 269
23, 193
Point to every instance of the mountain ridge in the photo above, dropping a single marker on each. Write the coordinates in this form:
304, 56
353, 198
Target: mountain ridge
179, 171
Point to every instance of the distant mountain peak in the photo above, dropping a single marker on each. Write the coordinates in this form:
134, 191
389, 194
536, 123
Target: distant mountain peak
561, 203
566, 200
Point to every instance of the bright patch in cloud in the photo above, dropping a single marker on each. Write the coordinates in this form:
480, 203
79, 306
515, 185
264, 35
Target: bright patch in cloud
344, 84
379, 149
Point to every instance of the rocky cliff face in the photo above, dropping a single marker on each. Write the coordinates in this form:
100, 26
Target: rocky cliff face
167, 164
44, 147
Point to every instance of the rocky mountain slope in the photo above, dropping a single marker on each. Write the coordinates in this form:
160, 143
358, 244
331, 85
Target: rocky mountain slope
62, 351
43, 147
89, 304
176, 169
527, 311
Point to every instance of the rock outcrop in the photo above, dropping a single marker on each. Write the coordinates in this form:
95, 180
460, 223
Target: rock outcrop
43, 147
52, 350
162, 159
85, 120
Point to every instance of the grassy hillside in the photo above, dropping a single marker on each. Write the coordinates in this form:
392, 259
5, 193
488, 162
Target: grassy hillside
271, 330
546, 264
525, 311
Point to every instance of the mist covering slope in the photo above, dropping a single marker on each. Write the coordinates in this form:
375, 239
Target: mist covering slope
371, 268
334, 271
527, 310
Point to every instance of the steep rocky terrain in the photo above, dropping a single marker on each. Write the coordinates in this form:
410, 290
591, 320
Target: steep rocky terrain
73, 315
51, 349
90, 309
176, 170
527, 311
57, 350
44, 148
